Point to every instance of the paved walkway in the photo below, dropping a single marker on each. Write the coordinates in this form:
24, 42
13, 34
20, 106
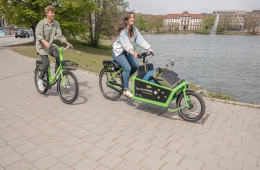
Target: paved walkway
40, 132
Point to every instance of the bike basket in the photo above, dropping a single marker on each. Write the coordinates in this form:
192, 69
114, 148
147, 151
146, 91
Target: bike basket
39, 63
69, 65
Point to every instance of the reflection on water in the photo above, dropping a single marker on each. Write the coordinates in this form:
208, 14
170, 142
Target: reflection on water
231, 62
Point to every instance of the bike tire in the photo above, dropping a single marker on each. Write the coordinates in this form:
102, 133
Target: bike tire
63, 92
200, 105
36, 78
105, 89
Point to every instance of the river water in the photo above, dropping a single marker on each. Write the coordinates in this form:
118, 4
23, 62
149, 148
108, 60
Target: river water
230, 62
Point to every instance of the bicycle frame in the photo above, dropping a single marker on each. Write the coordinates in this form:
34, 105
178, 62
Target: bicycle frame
172, 92
60, 68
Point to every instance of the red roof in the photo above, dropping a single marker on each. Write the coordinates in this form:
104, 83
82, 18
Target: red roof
172, 16
185, 13
197, 16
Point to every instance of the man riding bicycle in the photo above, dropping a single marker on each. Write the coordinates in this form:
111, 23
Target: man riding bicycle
46, 30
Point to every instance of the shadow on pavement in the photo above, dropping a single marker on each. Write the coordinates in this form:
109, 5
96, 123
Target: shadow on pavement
83, 94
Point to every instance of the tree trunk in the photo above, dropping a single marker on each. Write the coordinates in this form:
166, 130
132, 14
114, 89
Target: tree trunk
33, 26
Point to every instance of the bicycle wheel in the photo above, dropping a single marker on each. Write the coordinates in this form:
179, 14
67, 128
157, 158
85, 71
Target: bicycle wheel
36, 78
69, 93
197, 107
109, 92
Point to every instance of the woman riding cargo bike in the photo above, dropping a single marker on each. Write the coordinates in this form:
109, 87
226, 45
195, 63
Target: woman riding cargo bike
123, 50
156, 86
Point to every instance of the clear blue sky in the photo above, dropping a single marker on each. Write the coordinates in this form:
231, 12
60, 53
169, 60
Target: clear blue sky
164, 7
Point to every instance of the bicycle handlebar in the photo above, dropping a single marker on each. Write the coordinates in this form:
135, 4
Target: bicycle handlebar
145, 54
53, 45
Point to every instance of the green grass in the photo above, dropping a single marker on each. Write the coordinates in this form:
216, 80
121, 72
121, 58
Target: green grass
88, 58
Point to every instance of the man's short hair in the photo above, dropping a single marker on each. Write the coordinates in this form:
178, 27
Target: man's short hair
49, 8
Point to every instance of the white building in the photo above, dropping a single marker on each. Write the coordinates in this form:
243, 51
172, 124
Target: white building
184, 21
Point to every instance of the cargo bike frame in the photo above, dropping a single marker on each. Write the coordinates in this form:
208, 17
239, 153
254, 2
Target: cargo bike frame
148, 92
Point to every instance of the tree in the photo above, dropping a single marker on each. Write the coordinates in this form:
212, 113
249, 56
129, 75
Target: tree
104, 21
176, 26
206, 25
225, 22
156, 23
29, 12
140, 22
251, 24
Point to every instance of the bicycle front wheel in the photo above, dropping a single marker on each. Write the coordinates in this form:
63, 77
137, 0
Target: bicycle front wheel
69, 93
197, 107
106, 79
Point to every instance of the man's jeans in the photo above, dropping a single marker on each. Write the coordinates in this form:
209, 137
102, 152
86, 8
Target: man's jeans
46, 62
128, 63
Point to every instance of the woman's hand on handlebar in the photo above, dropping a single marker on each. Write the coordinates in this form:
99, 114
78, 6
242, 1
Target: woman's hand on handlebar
134, 54
151, 50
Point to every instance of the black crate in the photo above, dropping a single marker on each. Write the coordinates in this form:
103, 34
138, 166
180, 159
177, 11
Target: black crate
110, 65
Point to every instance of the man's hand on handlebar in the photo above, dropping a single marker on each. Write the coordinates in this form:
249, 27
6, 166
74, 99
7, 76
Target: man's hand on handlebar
152, 51
46, 44
69, 44
134, 54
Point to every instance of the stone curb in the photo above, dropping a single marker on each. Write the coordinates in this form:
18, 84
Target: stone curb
206, 98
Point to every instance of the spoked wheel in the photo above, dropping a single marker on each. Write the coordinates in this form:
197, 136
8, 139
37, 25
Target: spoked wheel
69, 93
197, 107
36, 79
110, 92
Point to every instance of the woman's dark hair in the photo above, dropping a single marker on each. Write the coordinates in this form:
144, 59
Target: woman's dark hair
123, 23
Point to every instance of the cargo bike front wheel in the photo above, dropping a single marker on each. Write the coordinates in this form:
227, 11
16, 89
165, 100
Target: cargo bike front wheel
196, 108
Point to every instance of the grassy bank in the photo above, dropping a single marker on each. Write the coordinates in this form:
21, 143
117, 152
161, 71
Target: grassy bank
88, 58
216, 94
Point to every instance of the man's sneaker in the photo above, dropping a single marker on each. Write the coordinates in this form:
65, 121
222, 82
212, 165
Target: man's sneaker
128, 93
40, 85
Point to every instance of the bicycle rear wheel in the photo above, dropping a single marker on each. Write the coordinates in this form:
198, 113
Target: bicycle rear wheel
197, 107
36, 79
110, 92
69, 93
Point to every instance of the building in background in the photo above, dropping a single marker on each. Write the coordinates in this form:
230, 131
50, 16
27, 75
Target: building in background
252, 21
231, 20
5, 28
184, 21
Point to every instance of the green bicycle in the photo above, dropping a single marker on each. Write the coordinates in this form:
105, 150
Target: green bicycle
190, 105
67, 83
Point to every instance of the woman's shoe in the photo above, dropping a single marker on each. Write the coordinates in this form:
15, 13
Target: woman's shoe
128, 93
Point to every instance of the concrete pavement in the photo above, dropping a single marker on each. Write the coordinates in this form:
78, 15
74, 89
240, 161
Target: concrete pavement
5, 42
41, 132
